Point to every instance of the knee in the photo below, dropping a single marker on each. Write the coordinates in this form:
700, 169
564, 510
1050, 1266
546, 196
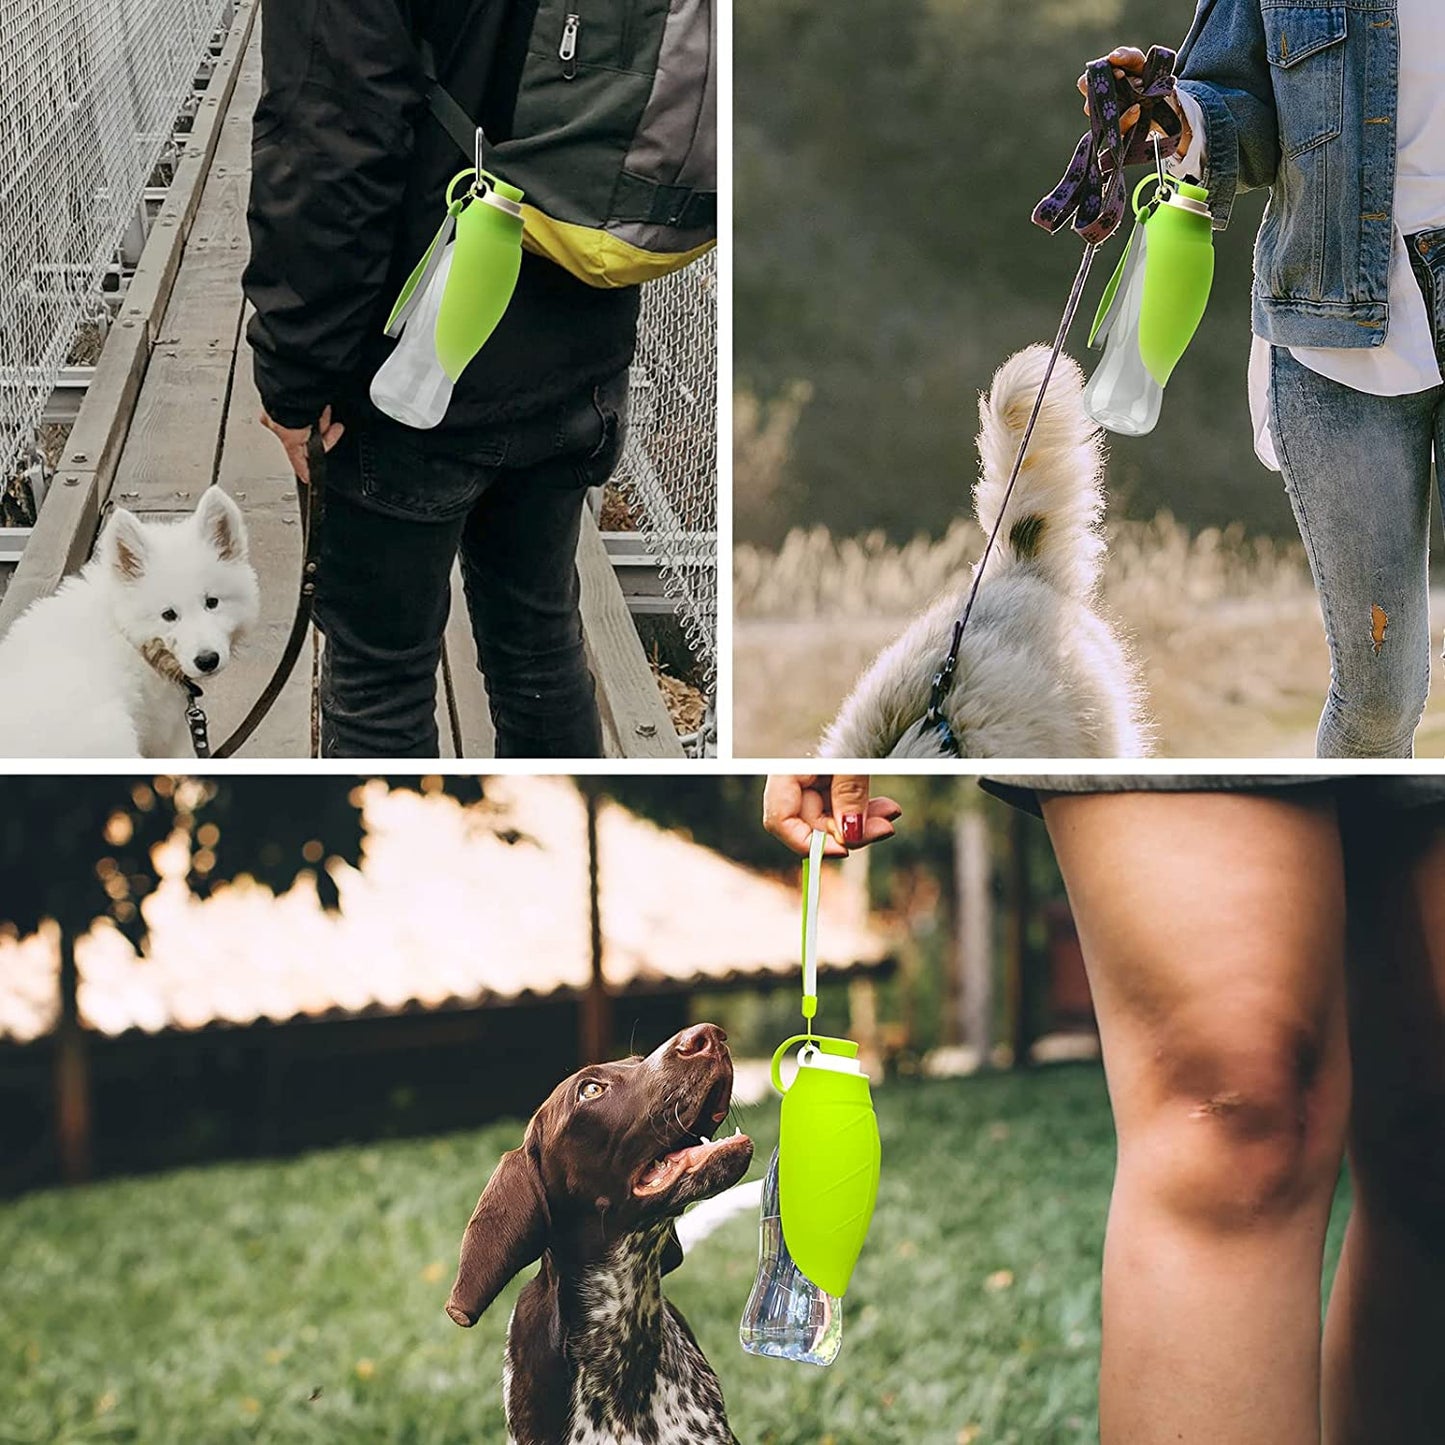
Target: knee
1244, 1123
1398, 1160
538, 672
1380, 709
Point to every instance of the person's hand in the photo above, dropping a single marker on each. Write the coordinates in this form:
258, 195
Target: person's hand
294, 439
1126, 60
796, 804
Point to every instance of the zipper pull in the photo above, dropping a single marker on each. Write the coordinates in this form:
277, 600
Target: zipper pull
567, 51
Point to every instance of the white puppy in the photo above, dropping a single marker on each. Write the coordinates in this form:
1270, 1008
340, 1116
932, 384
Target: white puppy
1040, 673
75, 678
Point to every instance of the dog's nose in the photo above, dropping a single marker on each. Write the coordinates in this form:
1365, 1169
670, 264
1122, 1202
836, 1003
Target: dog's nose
208, 661
701, 1040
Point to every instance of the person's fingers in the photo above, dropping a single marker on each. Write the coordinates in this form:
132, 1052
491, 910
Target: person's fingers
1125, 60
782, 808
795, 833
332, 434
792, 808
879, 819
817, 814
782, 795
298, 462
849, 799
1129, 119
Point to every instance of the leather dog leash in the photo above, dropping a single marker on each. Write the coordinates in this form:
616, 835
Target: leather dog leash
312, 502
1093, 191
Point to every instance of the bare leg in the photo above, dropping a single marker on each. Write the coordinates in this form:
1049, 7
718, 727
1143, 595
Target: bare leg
1384, 1370
1213, 929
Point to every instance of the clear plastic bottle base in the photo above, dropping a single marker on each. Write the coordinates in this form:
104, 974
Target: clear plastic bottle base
1122, 395
411, 386
787, 1316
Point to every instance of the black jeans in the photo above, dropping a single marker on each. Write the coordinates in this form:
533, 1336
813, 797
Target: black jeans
510, 500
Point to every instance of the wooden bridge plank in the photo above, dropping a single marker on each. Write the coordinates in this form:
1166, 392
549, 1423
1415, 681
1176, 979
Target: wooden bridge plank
634, 716
172, 450
471, 713
254, 470
65, 529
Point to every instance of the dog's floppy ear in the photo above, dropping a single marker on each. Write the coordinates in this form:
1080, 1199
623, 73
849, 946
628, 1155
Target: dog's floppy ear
507, 1231
222, 524
124, 546
671, 1250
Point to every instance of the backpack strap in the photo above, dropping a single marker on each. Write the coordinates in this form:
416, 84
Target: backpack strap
653, 203
443, 104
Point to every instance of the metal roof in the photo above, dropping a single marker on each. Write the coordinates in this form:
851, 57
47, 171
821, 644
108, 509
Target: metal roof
451, 907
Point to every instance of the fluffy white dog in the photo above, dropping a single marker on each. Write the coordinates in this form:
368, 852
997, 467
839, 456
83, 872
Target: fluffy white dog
93, 671
1040, 673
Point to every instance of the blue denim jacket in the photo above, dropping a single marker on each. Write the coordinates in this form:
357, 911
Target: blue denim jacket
1302, 98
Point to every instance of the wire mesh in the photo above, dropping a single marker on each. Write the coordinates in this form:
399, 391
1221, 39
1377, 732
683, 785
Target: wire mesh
89, 95
668, 472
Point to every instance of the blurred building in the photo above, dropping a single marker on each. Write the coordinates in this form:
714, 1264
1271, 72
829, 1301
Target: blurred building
456, 983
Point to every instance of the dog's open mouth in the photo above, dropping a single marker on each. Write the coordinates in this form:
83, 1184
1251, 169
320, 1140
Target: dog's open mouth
695, 1146
662, 1173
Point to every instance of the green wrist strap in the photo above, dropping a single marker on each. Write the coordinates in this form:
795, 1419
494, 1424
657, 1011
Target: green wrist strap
812, 879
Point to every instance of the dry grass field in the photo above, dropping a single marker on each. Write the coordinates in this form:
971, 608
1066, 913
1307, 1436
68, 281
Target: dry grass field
1227, 629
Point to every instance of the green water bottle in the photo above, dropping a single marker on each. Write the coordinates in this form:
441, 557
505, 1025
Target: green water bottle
821, 1186
1152, 306
452, 301
828, 1159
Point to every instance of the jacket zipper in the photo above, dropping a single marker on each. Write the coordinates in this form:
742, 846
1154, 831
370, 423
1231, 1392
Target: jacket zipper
567, 51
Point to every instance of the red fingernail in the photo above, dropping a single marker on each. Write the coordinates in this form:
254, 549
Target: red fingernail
852, 829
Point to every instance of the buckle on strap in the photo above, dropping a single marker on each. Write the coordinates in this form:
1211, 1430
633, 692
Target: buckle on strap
196, 720
943, 678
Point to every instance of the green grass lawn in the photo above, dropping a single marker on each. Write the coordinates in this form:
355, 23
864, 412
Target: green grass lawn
302, 1300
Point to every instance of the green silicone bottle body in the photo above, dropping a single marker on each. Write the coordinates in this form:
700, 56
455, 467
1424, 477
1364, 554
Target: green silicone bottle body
486, 261
1177, 279
829, 1156
1152, 307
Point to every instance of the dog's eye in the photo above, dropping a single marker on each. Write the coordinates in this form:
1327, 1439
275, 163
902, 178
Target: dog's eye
212, 603
169, 615
590, 1090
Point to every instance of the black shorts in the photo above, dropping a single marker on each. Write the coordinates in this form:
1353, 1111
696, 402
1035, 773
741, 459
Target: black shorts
1392, 793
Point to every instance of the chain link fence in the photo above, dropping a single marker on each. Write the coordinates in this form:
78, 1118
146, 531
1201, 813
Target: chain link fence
90, 91
668, 472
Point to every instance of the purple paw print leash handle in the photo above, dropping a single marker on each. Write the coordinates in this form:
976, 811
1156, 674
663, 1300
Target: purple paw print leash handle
1093, 189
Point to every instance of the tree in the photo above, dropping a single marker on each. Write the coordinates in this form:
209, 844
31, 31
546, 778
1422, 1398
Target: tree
77, 848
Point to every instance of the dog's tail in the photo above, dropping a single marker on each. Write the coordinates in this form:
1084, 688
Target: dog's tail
1052, 523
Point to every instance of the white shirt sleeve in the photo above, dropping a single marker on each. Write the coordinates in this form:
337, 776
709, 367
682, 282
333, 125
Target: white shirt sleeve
1192, 161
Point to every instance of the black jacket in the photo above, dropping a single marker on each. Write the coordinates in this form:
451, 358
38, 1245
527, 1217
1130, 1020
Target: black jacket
349, 171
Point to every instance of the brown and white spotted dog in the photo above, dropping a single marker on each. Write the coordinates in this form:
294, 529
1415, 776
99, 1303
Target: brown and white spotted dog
595, 1355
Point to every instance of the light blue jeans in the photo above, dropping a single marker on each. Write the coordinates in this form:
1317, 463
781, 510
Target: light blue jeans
1358, 472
